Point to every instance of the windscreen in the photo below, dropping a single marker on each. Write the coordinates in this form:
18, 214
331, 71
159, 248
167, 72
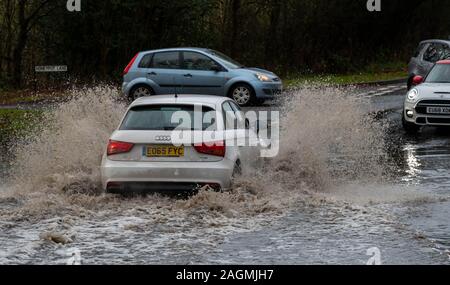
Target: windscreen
439, 74
169, 118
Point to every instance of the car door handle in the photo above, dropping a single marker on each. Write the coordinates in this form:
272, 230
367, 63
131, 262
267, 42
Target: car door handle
188, 75
152, 73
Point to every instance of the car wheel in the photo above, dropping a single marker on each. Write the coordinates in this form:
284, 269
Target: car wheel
243, 94
410, 128
140, 91
237, 172
260, 102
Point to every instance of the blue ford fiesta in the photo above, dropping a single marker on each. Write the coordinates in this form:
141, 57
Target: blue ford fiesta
197, 71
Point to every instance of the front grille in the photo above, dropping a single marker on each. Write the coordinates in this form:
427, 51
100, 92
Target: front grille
434, 102
438, 120
422, 106
422, 121
276, 79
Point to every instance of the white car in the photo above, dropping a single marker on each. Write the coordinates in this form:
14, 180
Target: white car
428, 102
143, 154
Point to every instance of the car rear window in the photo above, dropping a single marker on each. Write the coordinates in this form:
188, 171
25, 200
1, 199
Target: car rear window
169, 118
146, 60
166, 60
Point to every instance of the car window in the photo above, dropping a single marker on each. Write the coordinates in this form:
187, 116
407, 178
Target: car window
146, 61
419, 50
162, 117
439, 74
446, 52
166, 60
436, 52
197, 61
239, 115
228, 61
229, 116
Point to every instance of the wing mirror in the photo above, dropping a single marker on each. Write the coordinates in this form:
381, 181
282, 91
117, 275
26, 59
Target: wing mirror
417, 80
216, 68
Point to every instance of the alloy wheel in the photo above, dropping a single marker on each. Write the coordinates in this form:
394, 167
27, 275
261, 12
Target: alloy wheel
141, 92
242, 95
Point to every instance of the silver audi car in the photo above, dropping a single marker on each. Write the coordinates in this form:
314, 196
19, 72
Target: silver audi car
428, 102
178, 143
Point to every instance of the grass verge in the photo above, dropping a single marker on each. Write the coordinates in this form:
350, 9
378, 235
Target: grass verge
14, 122
373, 73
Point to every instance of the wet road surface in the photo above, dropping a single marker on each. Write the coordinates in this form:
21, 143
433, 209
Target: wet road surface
406, 217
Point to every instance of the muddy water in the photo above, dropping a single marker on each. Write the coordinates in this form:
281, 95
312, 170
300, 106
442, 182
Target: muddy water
338, 188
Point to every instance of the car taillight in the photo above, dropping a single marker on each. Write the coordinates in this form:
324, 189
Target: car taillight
214, 148
115, 147
130, 64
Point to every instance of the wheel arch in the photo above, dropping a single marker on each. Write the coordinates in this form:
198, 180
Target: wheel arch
141, 82
236, 83
152, 90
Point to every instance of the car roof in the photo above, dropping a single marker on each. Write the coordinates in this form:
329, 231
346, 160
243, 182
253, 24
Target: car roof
446, 61
178, 49
180, 99
447, 42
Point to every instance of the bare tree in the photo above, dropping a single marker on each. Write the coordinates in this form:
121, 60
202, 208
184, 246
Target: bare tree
28, 14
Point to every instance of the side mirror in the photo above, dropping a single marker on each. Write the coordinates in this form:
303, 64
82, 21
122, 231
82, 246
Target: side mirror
417, 80
216, 68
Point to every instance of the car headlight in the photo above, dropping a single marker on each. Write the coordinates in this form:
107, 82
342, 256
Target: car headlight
263, 77
412, 95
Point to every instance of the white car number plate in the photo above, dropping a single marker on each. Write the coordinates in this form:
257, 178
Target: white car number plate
438, 110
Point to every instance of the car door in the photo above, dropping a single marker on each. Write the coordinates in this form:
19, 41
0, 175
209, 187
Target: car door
165, 70
244, 138
202, 75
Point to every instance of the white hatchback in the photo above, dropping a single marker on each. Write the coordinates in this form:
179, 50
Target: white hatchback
428, 102
178, 143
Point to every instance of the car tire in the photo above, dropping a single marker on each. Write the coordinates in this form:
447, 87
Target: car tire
260, 102
410, 128
243, 94
140, 91
237, 171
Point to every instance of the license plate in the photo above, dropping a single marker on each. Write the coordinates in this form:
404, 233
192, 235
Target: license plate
438, 110
164, 151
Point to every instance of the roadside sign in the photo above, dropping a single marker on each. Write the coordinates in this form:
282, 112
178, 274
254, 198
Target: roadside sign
51, 68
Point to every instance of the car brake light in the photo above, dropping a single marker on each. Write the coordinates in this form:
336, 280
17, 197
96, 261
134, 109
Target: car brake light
214, 148
115, 147
417, 80
130, 64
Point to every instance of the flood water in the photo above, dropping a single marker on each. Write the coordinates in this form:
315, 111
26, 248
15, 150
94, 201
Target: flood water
332, 194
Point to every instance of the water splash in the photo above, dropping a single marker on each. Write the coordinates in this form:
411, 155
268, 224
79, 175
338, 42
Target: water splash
327, 139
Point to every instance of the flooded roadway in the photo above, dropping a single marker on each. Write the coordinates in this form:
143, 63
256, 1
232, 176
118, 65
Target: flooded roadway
405, 216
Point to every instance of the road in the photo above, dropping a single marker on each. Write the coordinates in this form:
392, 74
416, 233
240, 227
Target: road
423, 168
404, 215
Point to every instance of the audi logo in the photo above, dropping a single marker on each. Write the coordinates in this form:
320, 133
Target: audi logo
163, 138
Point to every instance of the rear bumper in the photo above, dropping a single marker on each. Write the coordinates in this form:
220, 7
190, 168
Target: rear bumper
164, 176
126, 89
